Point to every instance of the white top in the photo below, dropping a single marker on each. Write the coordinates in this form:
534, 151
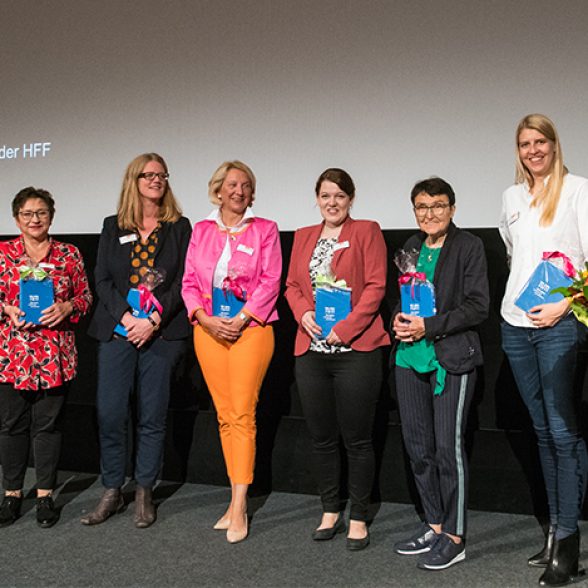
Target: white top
526, 240
222, 267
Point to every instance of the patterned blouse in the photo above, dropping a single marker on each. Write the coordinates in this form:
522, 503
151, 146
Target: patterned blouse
41, 358
321, 258
143, 256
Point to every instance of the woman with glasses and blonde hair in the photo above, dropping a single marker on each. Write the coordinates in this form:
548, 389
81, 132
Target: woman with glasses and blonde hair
38, 359
546, 210
436, 360
230, 288
144, 242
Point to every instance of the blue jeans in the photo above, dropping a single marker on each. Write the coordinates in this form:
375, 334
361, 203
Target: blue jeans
122, 369
543, 362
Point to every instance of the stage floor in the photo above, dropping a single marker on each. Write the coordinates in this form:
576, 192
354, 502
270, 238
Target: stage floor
181, 549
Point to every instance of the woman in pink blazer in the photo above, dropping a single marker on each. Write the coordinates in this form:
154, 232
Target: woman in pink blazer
339, 373
230, 286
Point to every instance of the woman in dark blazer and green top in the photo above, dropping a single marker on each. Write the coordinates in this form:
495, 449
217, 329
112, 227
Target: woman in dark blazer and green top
147, 233
436, 362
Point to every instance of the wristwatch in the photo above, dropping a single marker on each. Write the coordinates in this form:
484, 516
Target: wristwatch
245, 318
153, 323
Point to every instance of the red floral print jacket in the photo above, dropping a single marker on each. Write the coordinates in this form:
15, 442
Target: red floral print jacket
41, 358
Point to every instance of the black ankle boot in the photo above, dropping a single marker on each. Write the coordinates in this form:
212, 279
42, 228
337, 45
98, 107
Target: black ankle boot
562, 568
541, 559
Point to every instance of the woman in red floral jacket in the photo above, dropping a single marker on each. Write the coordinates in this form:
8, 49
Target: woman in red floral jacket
37, 361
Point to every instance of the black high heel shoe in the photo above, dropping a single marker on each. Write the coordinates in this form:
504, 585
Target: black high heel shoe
562, 568
541, 559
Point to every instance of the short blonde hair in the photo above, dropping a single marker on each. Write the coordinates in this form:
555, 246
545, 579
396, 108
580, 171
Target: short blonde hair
130, 207
548, 197
220, 174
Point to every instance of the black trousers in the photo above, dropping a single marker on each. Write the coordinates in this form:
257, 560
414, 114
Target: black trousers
433, 430
339, 393
26, 415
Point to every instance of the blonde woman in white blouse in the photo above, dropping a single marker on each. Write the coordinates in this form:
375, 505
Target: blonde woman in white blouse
547, 210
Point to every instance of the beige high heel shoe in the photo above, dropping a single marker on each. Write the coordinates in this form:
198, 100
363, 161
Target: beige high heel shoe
238, 536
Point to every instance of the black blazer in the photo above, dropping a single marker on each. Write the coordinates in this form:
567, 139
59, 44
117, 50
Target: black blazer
112, 273
462, 299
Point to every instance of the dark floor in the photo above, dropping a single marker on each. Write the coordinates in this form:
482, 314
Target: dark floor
181, 549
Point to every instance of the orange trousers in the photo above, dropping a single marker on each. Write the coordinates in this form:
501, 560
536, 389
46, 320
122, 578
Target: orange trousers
234, 373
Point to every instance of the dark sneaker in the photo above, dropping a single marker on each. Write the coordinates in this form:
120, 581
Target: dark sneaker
10, 510
47, 514
420, 542
442, 555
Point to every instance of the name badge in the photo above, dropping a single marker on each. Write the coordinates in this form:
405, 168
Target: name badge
245, 249
127, 238
513, 218
342, 245
47, 265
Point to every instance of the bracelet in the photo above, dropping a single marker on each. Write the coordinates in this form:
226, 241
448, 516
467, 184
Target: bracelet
153, 323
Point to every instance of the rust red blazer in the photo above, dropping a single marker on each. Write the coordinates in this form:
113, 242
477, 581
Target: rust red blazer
361, 261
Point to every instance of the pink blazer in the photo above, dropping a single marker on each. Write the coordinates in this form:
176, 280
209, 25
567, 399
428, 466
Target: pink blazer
256, 259
362, 264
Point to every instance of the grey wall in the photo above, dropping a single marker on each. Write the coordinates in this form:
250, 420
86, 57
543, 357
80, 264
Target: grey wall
393, 91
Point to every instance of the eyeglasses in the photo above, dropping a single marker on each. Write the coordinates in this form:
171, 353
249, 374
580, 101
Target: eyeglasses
27, 215
151, 175
436, 209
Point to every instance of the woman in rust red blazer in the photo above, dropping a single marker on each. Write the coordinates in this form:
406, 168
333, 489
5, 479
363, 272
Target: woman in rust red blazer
339, 373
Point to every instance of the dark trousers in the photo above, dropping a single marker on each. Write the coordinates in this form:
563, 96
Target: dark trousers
122, 369
433, 428
543, 362
26, 415
339, 393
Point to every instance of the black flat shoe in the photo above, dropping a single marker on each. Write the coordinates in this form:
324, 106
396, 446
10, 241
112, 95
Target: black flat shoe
47, 514
358, 544
330, 532
10, 510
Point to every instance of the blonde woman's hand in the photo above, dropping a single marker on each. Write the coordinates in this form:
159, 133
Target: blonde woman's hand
549, 314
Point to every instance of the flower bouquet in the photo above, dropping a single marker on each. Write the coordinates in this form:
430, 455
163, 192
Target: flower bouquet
142, 300
577, 294
36, 292
417, 294
332, 302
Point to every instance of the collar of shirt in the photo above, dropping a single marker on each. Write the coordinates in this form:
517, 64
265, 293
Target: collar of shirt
215, 216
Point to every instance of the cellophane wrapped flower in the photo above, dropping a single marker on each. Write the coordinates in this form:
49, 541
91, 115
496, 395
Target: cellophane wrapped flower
406, 261
577, 295
152, 278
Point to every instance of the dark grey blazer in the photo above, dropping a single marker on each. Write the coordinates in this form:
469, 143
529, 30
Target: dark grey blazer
462, 298
112, 273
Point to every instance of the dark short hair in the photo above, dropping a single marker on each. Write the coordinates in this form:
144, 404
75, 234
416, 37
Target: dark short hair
26, 194
339, 177
433, 187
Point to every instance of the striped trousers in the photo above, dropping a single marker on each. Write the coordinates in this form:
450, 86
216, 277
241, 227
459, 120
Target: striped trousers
433, 430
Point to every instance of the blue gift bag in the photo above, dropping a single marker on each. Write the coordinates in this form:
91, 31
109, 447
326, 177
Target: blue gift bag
418, 299
134, 300
538, 289
331, 306
225, 304
35, 296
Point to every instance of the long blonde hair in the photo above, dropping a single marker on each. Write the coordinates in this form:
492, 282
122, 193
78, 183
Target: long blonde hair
547, 198
130, 207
